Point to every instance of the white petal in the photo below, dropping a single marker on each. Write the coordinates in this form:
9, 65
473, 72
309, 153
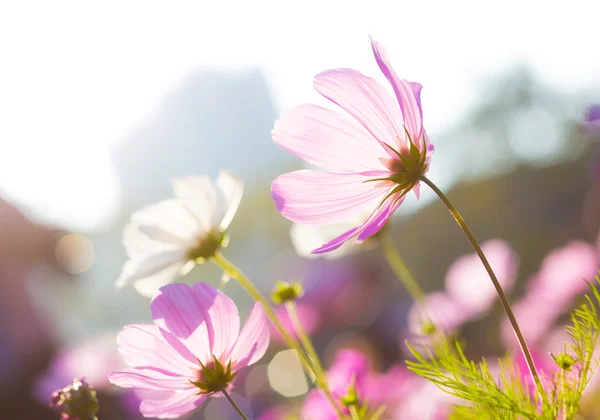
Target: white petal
139, 245
202, 199
232, 189
149, 286
152, 266
167, 221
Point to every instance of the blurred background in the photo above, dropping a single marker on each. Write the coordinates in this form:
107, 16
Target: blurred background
100, 105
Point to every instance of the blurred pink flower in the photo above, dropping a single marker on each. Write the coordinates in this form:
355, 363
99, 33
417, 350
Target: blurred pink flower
468, 282
564, 273
534, 316
441, 309
592, 117
373, 388
350, 366
384, 143
309, 317
544, 365
164, 240
193, 349
93, 358
561, 278
425, 401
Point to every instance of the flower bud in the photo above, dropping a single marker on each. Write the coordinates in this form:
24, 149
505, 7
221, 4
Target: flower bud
285, 292
76, 401
564, 361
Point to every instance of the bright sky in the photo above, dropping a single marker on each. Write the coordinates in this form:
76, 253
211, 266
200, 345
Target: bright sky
76, 76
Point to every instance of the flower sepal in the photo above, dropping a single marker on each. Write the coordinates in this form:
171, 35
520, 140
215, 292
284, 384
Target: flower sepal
214, 377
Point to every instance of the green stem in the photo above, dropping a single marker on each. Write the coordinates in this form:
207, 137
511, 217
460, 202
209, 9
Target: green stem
255, 294
509, 313
238, 409
354, 413
304, 339
399, 267
396, 262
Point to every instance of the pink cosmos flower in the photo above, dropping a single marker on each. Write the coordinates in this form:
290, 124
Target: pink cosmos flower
561, 278
350, 367
441, 309
192, 351
370, 161
468, 282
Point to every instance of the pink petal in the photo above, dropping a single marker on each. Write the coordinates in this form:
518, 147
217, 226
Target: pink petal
144, 345
224, 317
150, 378
176, 405
253, 340
371, 226
564, 272
439, 308
327, 139
316, 197
366, 100
177, 310
468, 282
405, 92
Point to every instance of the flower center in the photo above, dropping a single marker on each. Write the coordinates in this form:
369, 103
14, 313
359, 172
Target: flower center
207, 245
214, 377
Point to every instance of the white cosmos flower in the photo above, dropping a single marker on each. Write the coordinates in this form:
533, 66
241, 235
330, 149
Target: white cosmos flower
165, 240
306, 238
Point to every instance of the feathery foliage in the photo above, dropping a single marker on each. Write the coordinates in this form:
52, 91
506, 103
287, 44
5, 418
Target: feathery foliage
503, 395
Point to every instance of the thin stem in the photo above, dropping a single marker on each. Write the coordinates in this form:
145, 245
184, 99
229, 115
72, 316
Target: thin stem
304, 339
503, 299
397, 264
249, 287
354, 413
238, 409
399, 267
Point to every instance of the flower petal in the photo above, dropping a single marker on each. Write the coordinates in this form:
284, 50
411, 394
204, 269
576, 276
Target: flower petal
253, 340
468, 282
168, 216
405, 91
316, 197
366, 100
177, 310
144, 345
150, 285
232, 189
369, 227
150, 378
224, 317
327, 139
202, 199
174, 406
160, 267
139, 245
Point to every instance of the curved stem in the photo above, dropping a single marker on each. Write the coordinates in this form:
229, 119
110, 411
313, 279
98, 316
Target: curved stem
249, 287
399, 267
509, 313
354, 413
238, 409
304, 339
